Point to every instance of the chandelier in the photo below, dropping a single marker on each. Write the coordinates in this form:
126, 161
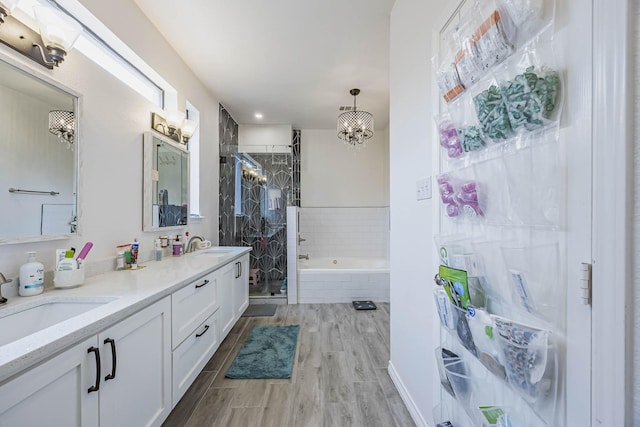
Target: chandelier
355, 127
62, 124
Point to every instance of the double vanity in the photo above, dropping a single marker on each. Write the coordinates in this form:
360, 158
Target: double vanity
123, 348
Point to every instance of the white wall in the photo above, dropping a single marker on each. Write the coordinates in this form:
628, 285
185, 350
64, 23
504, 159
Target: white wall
264, 138
332, 175
635, 256
112, 120
414, 323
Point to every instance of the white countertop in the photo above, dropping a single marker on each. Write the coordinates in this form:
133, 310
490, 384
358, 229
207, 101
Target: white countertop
132, 291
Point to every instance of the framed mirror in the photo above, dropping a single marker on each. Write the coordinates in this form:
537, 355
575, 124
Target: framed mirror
166, 183
38, 166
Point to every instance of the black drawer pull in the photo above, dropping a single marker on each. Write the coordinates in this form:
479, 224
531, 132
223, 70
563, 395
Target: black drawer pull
205, 283
206, 328
96, 386
112, 375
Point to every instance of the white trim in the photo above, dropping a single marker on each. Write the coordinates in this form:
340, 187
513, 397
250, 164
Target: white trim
406, 397
613, 152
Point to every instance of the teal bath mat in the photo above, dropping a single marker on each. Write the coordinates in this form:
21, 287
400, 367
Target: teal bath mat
268, 352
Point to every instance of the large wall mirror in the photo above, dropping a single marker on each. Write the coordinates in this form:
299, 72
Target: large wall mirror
166, 183
38, 164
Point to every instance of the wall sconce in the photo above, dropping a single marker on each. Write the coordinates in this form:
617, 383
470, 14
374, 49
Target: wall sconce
174, 125
57, 34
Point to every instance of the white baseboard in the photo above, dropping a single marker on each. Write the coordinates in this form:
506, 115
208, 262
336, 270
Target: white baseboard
406, 397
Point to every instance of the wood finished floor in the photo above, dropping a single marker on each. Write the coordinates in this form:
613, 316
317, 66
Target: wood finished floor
339, 377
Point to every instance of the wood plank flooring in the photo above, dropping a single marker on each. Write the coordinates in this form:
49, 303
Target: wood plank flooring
339, 377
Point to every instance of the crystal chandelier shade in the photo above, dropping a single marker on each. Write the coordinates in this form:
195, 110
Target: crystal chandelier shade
355, 127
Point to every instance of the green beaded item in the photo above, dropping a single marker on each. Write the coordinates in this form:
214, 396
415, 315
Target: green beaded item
471, 138
492, 114
530, 98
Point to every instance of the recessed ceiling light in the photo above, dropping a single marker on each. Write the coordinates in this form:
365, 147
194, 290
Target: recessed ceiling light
258, 115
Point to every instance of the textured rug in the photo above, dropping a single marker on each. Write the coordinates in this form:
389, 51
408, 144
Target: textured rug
268, 352
259, 310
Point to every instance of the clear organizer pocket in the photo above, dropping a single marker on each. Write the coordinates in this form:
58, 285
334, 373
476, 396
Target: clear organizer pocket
460, 195
449, 414
526, 355
494, 197
445, 357
534, 276
486, 344
536, 184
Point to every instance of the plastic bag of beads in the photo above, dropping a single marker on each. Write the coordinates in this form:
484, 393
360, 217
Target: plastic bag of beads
468, 130
491, 112
531, 88
448, 136
467, 59
459, 197
448, 80
491, 41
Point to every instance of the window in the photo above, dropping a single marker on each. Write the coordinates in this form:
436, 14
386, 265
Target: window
194, 163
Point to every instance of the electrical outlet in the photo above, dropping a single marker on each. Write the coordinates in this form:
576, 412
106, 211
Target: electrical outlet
423, 188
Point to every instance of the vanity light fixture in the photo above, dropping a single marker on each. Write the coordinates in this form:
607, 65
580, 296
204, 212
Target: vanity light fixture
174, 125
355, 127
56, 35
6, 7
62, 124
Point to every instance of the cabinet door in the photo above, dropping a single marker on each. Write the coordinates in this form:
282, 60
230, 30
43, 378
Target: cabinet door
136, 364
54, 393
225, 296
241, 286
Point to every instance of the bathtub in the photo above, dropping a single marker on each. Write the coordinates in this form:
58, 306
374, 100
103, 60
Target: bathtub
342, 280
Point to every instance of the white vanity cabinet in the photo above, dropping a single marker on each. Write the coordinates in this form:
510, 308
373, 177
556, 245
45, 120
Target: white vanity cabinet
119, 377
241, 286
196, 330
54, 393
139, 359
226, 280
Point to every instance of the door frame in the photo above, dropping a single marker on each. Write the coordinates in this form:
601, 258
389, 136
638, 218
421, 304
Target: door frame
612, 213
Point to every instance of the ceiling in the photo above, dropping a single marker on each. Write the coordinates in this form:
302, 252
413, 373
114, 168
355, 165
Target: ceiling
294, 61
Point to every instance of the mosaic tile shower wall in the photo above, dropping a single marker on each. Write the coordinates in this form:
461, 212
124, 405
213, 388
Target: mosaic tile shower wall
228, 130
295, 152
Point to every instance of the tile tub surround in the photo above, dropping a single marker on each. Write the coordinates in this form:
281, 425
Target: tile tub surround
133, 290
345, 232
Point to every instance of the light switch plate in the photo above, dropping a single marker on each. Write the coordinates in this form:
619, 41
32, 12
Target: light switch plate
423, 188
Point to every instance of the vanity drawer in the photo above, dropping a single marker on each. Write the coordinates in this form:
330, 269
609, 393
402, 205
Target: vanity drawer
191, 305
193, 354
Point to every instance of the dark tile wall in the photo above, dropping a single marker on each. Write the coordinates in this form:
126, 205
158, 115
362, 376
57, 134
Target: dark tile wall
228, 129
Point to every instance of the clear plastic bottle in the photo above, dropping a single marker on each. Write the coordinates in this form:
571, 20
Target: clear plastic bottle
158, 245
31, 277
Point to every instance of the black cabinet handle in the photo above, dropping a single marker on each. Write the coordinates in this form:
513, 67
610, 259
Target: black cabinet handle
96, 386
206, 328
205, 283
112, 375
238, 269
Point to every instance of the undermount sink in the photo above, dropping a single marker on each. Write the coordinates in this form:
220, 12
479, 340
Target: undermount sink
219, 251
47, 312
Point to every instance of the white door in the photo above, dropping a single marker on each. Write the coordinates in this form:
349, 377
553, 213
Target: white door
55, 393
136, 364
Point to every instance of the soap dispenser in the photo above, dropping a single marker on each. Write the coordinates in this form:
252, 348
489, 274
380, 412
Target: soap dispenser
31, 277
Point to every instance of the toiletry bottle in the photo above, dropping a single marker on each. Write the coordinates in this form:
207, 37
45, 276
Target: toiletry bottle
158, 250
31, 277
134, 254
120, 260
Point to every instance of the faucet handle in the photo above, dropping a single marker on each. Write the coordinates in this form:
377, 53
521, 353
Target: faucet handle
300, 239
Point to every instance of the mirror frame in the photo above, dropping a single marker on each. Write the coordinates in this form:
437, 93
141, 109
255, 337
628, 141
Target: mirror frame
147, 180
44, 78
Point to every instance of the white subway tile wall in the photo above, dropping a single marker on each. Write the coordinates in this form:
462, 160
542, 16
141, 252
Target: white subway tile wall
345, 232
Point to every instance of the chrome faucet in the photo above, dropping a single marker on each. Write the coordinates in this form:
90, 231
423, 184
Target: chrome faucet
3, 280
189, 247
304, 257
300, 239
